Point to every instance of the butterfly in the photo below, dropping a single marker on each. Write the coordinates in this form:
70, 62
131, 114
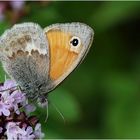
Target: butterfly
40, 59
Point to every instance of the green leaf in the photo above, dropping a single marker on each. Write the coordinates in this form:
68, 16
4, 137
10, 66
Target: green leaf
3, 26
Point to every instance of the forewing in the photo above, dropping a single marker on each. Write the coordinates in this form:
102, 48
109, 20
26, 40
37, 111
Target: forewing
63, 57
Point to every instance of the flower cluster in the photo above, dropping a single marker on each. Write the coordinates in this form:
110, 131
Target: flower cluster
14, 8
15, 123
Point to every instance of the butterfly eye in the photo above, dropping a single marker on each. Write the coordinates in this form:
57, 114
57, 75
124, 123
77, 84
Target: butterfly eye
75, 41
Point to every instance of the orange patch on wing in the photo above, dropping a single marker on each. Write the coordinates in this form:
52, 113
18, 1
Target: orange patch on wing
60, 54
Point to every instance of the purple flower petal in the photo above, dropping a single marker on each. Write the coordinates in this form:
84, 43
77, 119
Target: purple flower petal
29, 133
14, 131
2, 9
1, 129
16, 109
9, 105
9, 84
17, 5
30, 108
4, 109
18, 96
29, 130
5, 96
6, 112
38, 132
37, 127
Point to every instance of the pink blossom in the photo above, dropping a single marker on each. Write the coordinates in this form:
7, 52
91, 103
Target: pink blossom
30, 108
2, 8
29, 133
14, 131
17, 4
17, 124
1, 129
9, 84
4, 109
38, 132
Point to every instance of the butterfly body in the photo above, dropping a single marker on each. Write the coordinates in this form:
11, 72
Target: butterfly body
38, 60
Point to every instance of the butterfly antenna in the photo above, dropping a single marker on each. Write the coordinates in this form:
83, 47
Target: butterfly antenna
59, 112
47, 114
43, 102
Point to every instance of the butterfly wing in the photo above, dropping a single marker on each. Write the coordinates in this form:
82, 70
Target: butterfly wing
25, 57
69, 44
36, 68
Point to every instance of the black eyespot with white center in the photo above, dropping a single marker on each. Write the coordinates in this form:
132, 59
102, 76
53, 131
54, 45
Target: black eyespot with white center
75, 41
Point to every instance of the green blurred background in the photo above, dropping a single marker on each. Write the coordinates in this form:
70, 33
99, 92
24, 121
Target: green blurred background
101, 99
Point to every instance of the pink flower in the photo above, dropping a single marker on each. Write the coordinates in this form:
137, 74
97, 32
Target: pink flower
17, 124
29, 133
12, 96
30, 108
14, 99
1, 129
8, 84
14, 131
18, 97
17, 5
4, 109
2, 8
38, 133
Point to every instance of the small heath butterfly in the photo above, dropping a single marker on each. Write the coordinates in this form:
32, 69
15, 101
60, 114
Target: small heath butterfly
40, 59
